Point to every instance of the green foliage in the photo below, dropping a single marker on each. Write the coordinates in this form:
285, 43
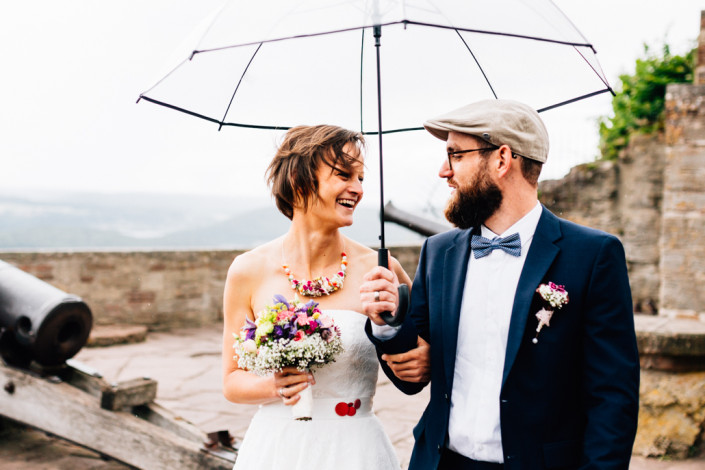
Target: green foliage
639, 105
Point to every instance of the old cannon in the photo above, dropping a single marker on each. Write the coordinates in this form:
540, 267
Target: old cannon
39, 322
41, 329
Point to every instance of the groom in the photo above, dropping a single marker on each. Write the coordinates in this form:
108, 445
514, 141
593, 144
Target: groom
520, 379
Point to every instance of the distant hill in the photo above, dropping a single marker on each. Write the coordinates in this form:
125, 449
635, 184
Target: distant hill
118, 221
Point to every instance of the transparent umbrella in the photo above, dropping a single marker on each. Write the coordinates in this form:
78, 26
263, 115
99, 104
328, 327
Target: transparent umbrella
377, 66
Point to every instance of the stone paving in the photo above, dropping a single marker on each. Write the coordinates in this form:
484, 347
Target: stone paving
186, 364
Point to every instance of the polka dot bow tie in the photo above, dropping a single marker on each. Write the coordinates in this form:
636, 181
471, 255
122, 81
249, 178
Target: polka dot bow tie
482, 246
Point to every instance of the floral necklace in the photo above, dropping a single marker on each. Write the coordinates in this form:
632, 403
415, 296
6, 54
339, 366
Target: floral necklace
322, 285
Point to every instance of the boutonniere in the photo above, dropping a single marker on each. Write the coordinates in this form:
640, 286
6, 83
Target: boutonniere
554, 298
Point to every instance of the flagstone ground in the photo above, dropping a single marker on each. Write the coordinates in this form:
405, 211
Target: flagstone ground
186, 364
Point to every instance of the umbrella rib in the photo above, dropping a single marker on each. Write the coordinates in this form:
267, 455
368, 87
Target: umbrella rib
477, 63
573, 100
394, 131
171, 106
575, 28
163, 78
498, 33
404, 22
227, 110
599, 75
210, 119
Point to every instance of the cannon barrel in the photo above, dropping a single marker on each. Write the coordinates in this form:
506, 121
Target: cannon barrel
39, 322
413, 222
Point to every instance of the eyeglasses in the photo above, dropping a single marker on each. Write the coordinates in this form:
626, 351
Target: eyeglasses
458, 154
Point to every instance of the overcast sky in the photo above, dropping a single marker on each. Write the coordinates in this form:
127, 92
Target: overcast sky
72, 71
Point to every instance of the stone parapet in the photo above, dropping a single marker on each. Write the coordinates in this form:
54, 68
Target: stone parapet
156, 289
670, 344
160, 290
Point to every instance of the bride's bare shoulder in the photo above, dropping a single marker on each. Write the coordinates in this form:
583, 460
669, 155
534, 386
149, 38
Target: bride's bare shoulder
363, 256
252, 263
353, 247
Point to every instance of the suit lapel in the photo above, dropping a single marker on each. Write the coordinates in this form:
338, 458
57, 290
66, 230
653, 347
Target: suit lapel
455, 269
539, 259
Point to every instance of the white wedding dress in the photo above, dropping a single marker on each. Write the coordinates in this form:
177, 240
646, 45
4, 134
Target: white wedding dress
276, 441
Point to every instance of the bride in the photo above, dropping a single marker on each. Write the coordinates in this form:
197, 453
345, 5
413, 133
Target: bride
316, 179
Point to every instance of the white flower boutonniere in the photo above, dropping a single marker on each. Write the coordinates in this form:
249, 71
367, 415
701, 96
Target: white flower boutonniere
554, 298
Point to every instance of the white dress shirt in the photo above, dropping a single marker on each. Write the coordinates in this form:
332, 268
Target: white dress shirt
485, 313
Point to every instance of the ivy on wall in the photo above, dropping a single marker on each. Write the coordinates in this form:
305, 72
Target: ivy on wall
639, 105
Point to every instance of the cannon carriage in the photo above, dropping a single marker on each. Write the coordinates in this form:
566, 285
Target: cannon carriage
41, 329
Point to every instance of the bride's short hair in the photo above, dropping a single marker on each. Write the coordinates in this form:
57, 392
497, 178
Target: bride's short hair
292, 172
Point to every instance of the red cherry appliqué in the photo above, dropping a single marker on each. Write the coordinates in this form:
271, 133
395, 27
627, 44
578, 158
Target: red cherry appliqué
341, 409
347, 409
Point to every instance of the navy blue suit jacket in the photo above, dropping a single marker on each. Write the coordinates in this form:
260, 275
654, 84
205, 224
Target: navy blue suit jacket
571, 400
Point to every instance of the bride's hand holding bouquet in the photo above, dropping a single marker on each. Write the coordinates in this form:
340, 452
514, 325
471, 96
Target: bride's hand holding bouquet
288, 339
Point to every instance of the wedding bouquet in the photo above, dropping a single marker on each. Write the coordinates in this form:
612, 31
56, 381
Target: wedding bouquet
288, 334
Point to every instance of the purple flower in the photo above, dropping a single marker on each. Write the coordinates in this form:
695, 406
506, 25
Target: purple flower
310, 306
280, 299
279, 332
250, 329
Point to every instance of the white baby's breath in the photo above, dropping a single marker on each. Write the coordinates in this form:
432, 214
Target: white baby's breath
307, 353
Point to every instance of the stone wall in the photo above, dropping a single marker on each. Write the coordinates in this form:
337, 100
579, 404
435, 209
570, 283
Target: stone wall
160, 290
682, 243
653, 199
622, 198
639, 205
587, 196
157, 289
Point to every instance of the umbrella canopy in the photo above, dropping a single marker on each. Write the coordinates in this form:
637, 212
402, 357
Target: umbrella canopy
281, 63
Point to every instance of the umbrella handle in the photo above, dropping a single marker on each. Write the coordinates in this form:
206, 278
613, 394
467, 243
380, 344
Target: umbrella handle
402, 291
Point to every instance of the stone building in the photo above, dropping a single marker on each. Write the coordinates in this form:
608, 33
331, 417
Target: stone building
653, 199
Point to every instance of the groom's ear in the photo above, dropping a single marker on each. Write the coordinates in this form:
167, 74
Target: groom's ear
503, 161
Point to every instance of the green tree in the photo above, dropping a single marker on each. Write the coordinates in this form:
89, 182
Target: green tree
639, 105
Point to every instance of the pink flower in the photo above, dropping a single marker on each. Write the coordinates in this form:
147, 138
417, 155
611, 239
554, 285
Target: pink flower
325, 321
299, 335
284, 316
302, 319
556, 287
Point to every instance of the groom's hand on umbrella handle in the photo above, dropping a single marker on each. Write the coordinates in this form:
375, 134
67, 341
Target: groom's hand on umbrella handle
413, 365
379, 293
394, 317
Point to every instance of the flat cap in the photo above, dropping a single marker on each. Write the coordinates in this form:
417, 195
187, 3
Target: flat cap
499, 122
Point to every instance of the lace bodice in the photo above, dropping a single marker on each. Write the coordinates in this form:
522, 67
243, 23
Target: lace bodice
354, 373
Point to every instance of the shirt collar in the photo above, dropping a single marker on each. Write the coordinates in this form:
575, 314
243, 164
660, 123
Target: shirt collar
525, 227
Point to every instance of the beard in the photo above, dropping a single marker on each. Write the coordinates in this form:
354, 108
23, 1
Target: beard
473, 204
